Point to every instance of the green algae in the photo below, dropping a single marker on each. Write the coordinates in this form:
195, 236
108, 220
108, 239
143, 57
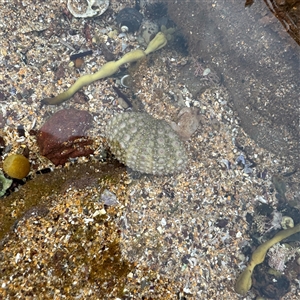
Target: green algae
36, 192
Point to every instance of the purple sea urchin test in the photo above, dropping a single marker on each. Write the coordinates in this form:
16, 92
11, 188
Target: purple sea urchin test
146, 144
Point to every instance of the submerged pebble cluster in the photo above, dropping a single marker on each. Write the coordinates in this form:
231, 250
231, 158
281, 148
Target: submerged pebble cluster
146, 144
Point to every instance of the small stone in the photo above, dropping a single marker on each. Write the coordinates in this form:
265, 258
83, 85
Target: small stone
102, 212
159, 229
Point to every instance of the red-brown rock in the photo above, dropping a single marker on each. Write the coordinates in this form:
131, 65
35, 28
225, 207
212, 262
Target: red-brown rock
63, 136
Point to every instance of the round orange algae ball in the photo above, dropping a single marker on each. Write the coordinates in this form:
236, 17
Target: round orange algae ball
16, 166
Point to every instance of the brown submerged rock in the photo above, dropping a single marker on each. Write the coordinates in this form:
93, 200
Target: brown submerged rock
63, 136
258, 62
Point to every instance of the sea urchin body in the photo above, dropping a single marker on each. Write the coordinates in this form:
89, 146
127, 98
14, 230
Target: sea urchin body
146, 144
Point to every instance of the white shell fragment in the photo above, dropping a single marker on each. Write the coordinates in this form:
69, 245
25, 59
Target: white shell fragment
87, 8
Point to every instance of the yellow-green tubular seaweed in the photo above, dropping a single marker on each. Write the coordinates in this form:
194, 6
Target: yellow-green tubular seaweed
244, 281
108, 69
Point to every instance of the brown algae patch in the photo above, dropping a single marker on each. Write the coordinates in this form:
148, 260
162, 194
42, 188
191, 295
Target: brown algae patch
72, 247
36, 192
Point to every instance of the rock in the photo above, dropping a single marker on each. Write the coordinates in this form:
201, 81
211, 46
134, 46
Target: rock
63, 136
258, 62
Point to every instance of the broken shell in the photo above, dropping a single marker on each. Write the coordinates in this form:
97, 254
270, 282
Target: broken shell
126, 81
94, 8
287, 222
